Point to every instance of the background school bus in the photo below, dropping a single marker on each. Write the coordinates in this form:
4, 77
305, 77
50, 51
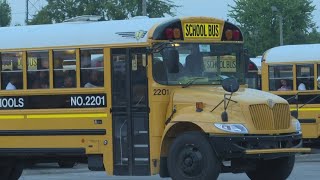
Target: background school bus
299, 66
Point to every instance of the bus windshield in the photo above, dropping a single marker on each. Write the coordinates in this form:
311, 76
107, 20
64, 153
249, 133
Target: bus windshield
201, 63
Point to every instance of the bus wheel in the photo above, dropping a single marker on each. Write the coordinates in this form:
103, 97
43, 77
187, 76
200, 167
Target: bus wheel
11, 171
5, 172
278, 169
16, 171
192, 157
66, 164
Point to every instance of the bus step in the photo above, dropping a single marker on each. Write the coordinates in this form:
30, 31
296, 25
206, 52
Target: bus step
141, 159
136, 159
142, 132
141, 145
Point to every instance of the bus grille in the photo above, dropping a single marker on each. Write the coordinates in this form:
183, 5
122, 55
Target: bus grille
266, 118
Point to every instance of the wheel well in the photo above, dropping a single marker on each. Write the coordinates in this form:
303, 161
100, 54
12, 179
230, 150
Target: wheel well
171, 134
175, 131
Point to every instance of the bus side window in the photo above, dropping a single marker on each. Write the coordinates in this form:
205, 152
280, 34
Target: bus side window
64, 72
38, 69
280, 78
92, 68
11, 71
305, 77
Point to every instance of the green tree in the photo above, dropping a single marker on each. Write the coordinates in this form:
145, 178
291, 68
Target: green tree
260, 24
313, 36
5, 13
43, 17
60, 10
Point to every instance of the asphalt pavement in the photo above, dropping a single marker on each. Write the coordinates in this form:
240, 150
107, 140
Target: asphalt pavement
306, 167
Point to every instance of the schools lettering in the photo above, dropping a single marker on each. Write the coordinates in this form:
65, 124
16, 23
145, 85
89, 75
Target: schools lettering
11, 102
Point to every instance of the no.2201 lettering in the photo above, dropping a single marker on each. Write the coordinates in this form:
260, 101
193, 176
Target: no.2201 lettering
87, 101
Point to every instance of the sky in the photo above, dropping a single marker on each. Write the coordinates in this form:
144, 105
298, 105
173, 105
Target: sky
213, 8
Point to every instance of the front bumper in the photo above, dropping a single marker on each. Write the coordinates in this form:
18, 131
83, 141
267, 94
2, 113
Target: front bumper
257, 146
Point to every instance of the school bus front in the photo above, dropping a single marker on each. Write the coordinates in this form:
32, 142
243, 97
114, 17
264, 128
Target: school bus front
204, 113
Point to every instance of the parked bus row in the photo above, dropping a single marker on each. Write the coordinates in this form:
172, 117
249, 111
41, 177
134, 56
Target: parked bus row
293, 72
140, 97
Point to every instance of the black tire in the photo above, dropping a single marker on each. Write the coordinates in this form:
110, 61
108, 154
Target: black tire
16, 171
66, 164
11, 172
5, 172
191, 157
275, 169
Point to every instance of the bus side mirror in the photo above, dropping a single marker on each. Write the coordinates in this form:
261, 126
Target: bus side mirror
172, 60
230, 85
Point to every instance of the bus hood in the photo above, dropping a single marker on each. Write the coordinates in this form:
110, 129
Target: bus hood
212, 96
261, 112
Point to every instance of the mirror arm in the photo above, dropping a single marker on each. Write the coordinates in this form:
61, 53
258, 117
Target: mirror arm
229, 99
217, 105
224, 114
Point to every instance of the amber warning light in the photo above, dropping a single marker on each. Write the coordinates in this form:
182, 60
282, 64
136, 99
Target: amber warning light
199, 106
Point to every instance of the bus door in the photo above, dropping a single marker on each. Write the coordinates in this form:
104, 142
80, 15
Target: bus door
130, 111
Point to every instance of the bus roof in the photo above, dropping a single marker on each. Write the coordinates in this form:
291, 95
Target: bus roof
77, 33
293, 53
137, 30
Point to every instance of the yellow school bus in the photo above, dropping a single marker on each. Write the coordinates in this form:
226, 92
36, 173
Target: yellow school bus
298, 67
140, 97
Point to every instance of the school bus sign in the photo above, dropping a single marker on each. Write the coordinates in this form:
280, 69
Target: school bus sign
202, 31
224, 63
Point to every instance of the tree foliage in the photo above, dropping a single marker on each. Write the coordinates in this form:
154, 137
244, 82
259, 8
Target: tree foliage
5, 13
260, 24
313, 36
60, 10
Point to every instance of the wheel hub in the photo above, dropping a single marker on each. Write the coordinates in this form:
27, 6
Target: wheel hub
188, 161
191, 161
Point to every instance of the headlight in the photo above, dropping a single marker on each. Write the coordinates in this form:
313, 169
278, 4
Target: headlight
234, 128
298, 126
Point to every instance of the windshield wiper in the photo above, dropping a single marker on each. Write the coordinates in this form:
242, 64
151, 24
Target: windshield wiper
189, 83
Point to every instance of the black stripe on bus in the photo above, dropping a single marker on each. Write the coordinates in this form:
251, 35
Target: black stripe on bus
57, 101
53, 132
307, 120
42, 151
